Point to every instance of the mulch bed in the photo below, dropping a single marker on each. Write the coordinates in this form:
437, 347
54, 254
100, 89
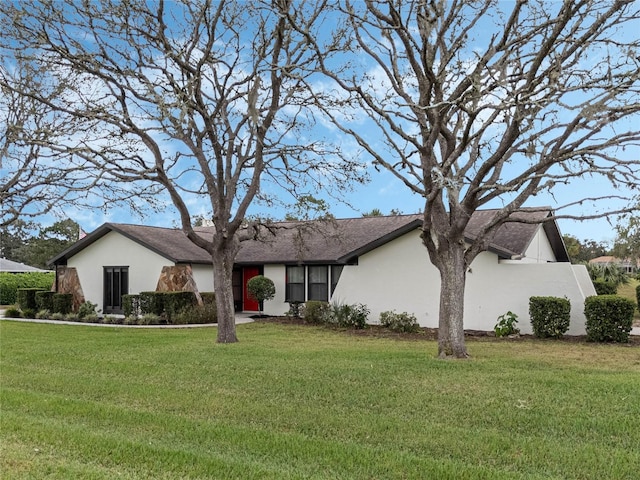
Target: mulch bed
432, 333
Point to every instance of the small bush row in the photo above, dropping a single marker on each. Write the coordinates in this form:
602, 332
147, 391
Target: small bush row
354, 316
609, 318
337, 314
178, 308
31, 300
175, 308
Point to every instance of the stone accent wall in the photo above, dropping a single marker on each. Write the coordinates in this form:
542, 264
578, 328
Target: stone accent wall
178, 278
68, 281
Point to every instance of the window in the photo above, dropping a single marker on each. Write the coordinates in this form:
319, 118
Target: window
319, 283
295, 284
116, 284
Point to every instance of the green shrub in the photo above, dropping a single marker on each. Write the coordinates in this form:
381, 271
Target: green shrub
162, 304
62, 303
26, 298
638, 296
151, 302
399, 322
86, 309
177, 302
57, 316
12, 312
197, 314
295, 310
506, 325
43, 314
350, 316
550, 316
111, 319
605, 288
609, 318
261, 288
317, 312
44, 300
11, 282
208, 298
150, 319
29, 312
72, 317
131, 305
91, 318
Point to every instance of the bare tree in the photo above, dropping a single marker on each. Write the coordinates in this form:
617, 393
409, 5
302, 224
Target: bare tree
480, 106
627, 243
37, 175
208, 99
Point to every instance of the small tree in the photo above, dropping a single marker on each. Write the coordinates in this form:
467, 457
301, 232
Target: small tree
261, 288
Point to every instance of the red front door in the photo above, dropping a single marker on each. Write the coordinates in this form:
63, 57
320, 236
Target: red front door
249, 304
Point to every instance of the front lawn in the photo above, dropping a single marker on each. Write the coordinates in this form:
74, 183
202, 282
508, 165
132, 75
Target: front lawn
292, 401
629, 291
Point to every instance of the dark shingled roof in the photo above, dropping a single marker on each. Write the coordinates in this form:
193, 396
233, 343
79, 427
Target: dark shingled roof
336, 241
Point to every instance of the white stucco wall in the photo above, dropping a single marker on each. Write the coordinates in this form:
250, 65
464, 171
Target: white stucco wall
399, 276
494, 288
396, 276
276, 306
115, 250
203, 275
539, 250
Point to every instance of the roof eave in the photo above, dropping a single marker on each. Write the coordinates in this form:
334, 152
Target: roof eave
404, 229
97, 235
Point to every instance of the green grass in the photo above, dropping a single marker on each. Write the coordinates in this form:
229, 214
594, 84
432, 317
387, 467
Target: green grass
291, 402
629, 291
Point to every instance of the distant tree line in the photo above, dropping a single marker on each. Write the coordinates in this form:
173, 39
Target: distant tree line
33, 244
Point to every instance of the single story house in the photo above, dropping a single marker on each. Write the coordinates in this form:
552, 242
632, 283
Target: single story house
628, 265
377, 261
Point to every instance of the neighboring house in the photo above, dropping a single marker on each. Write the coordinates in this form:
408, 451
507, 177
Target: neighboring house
377, 261
15, 267
627, 265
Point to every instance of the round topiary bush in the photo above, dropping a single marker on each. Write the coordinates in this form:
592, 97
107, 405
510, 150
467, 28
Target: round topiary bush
261, 288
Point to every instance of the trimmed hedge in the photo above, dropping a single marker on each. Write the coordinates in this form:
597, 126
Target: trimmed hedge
177, 302
609, 318
550, 316
151, 302
605, 288
131, 305
26, 298
62, 303
208, 298
638, 297
167, 304
44, 300
11, 282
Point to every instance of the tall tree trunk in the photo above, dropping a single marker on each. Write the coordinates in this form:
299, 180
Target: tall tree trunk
451, 318
447, 252
223, 259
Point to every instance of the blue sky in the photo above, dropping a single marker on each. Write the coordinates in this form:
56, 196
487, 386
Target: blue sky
384, 192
